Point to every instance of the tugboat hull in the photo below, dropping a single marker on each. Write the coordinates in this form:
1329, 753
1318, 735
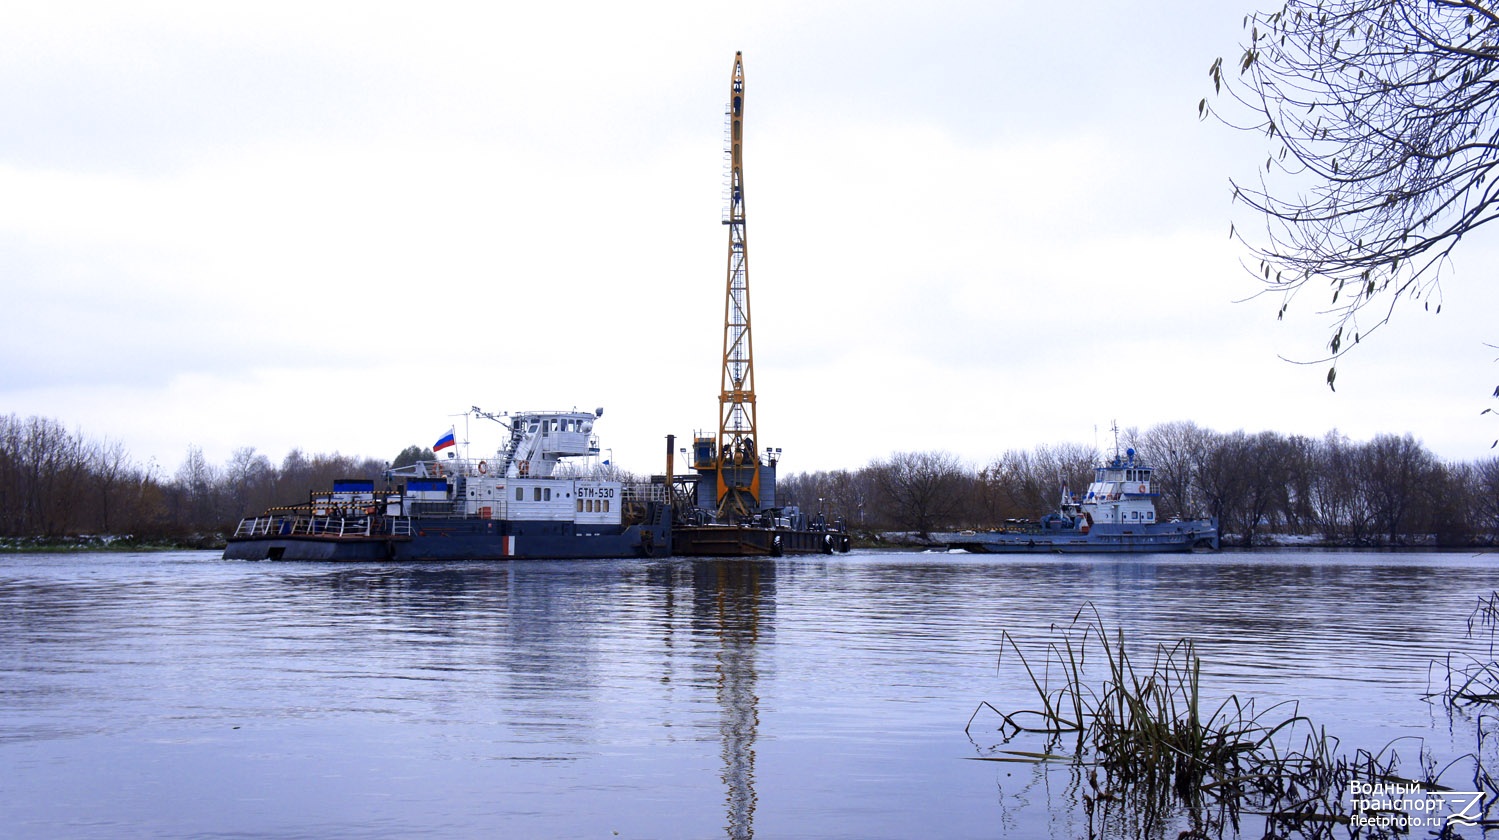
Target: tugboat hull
1116, 515
1165, 538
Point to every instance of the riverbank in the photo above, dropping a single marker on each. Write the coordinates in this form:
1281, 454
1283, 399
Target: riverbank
897, 540
1231, 541
108, 542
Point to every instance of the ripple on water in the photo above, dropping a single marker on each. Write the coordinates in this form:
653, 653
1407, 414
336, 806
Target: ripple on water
179, 695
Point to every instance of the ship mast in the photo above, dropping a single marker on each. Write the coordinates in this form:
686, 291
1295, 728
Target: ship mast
738, 460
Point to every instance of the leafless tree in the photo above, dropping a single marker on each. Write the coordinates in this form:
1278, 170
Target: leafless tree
55, 469
249, 479
1381, 116
848, 494
923, 490
1450, 511
1339, 508
195, 485
1395, 474
1267, 460
1300, 454
1027, 484
1484, 490
1222, 477
1178, 450
112, 474
838, 495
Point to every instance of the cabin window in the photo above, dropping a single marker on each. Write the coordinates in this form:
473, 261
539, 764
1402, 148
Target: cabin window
535, 494
580, 506
547, 494
605, 503
520, 494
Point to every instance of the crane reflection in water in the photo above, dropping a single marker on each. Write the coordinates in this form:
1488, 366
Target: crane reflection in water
731, 599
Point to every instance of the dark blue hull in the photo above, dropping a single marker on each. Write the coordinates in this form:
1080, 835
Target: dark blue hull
734, 541
1164, 537
464, 539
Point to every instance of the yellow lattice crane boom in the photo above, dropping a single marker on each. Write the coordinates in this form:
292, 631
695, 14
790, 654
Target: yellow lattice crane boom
738, 460
735, 481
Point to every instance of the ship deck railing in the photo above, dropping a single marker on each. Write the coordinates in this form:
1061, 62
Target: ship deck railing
323, 527
644, 493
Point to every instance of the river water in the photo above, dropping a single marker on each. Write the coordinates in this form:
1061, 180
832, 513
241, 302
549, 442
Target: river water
180, 695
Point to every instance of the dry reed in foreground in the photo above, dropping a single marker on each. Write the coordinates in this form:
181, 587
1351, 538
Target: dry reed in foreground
1148, 754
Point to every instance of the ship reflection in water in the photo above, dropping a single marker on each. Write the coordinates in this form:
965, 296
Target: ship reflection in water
739, 590
179, 695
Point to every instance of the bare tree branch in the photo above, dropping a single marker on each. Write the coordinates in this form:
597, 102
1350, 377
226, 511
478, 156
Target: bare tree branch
1382, 120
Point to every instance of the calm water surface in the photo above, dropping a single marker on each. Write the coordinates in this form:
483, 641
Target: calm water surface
179, 695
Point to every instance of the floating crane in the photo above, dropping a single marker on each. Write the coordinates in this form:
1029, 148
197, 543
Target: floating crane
738, 461
729, 508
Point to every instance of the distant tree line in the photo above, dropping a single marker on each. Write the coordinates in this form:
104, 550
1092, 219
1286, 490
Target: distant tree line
58, 483
1390, 490
1387, 491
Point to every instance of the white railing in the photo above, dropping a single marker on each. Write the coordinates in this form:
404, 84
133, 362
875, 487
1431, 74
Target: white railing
329, 527
644, 493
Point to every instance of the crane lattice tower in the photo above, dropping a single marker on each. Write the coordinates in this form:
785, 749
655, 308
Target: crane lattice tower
738, 460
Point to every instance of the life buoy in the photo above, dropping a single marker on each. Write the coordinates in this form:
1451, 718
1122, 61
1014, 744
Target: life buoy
1142, 488
524, 467
483, 468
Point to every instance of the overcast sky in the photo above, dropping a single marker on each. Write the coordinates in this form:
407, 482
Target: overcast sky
972, 226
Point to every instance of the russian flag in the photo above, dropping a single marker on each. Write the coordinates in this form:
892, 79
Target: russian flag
444, 442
